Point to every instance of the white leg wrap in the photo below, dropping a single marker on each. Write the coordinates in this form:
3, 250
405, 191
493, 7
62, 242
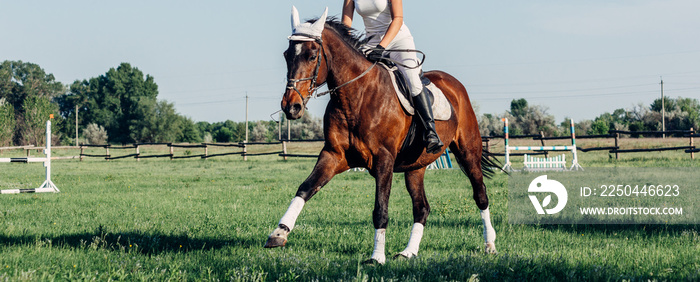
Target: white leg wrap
379, 243
414, 242
489, 232
290, 217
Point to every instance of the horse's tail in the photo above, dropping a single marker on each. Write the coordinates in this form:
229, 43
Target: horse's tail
489, 165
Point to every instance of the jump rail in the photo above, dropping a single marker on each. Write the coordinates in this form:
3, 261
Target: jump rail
48, 185
508, 165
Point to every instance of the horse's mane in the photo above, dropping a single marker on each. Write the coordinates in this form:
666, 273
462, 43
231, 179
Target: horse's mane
351, 36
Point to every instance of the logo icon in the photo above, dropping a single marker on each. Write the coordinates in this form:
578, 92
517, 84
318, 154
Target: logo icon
542, 184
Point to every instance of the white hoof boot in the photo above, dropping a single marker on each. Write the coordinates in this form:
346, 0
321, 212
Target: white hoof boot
413, 242
378, 256
490, 248
278, 238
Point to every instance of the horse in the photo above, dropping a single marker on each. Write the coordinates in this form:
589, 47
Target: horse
365, 126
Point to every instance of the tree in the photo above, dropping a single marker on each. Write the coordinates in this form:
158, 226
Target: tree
36, 111
7, 123
95, 134
518, 108
156, 122
669, 104
307, 127
112, 100
19, 82
188, 131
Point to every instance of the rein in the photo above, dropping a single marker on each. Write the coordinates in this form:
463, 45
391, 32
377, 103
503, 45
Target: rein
388, 59
331, 91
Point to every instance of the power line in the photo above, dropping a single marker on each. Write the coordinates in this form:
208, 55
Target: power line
568, 90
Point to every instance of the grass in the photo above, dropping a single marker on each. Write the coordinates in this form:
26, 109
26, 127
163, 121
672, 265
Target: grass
208, 220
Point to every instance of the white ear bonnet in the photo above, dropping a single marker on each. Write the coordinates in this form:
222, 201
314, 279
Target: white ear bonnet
307, 31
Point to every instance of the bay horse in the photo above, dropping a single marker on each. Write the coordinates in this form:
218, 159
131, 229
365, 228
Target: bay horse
365, 126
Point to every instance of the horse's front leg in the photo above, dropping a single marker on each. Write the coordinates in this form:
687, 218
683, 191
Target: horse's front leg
328, 165
383, 174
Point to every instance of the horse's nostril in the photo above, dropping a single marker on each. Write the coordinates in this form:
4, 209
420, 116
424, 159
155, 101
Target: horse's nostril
296, 108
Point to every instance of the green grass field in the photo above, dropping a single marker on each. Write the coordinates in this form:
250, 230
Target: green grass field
208, 220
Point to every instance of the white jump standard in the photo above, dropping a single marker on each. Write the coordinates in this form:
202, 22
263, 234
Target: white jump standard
48, 185
552, 163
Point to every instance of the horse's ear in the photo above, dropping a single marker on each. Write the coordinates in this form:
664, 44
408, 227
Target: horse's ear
295, 18
320, 23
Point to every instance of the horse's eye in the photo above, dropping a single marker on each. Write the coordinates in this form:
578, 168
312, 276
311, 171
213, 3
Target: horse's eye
312, 57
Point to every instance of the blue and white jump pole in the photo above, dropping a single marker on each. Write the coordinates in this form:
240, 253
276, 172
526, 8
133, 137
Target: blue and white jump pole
508, 165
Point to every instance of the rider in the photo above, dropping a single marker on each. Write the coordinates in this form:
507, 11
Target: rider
385, 29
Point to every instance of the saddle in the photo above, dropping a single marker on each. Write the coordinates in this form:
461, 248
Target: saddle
442, 109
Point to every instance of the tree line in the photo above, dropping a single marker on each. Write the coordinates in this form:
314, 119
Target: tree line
680, 114
121, 106
118, 107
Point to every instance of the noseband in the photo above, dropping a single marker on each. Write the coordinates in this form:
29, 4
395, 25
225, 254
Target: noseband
292, 83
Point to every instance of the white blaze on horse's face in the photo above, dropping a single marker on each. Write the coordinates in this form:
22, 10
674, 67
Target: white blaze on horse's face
297, 49
307, 31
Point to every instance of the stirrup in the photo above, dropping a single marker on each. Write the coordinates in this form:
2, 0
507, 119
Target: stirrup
433, 143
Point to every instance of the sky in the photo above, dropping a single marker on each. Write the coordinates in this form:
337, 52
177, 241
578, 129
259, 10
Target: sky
578, 59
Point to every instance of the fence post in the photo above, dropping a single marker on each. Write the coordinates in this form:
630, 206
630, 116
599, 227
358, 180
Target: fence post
206, 151
138, 153
81, 152
617, 154
546, 153
171, 151
692, 155
245, 150
107, 148
284, 149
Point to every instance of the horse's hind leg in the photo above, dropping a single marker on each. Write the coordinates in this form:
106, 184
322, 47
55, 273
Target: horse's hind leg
469, 159
421, 209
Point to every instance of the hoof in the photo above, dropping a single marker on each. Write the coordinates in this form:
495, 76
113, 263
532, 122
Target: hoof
403, 256
371, 262
400, 257
278, 237
274, 242
490, 248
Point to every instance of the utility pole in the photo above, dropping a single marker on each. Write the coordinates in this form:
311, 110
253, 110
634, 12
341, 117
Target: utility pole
663, 109
76, 125
246, 117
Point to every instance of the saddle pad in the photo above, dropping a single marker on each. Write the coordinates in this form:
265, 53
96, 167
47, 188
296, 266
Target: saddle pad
442, 109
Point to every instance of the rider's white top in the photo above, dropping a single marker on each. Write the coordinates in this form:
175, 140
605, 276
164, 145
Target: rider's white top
376, 15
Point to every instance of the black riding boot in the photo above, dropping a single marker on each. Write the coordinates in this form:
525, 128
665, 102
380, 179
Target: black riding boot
422, 103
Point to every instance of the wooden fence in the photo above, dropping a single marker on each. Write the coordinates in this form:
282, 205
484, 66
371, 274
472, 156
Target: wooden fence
612, 134
137, 153
285, 154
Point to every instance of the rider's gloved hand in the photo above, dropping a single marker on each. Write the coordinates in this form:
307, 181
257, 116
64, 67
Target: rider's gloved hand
375, 54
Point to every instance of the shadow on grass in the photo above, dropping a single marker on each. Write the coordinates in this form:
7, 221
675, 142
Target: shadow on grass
147, 243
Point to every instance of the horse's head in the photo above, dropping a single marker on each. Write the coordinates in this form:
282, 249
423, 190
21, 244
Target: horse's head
306, 64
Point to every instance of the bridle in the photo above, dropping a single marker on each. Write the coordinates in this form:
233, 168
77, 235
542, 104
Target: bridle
292, 83
313, 87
